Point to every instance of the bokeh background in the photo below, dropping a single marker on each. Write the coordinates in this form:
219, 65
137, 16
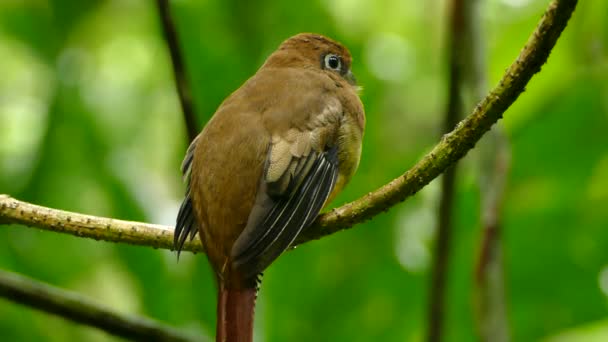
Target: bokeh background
90, 122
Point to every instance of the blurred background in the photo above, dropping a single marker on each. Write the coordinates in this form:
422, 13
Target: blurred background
90, 122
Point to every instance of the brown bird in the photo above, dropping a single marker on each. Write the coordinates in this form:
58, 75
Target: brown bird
275, 152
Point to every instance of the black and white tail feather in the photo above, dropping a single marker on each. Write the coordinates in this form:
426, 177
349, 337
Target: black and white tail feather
185, 225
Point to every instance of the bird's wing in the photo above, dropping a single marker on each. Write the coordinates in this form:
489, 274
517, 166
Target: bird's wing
185, 224
300, 173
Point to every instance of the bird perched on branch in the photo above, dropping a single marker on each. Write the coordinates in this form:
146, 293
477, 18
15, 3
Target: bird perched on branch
275, 152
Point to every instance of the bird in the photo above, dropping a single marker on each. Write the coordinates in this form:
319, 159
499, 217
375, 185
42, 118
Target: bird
273, 155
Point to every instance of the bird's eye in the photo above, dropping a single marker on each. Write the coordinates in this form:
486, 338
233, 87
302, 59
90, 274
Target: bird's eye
333, 62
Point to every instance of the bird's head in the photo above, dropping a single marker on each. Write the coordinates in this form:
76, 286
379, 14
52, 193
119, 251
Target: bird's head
309, 50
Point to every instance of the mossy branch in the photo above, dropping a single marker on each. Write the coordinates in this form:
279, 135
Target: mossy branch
94, 227
463, 138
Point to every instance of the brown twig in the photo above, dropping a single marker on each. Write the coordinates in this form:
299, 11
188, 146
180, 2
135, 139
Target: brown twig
459, 20
493, 158
451, 148
77, 308
492, 324
179, 68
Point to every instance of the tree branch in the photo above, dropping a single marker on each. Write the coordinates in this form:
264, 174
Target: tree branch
490, 302
98, 228
82, 310
460, 20
451, 148
494, 158
179, 68
463, 138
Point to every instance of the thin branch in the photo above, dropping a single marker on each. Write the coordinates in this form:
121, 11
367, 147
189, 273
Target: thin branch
457, 30
451, 148
98, 228
491, 307
494, 160
436, 306
179, 68
463, 138
77, 308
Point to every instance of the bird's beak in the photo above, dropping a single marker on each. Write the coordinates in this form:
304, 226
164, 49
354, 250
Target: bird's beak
350, 78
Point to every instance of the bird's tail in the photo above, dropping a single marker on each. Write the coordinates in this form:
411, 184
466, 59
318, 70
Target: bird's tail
235, 309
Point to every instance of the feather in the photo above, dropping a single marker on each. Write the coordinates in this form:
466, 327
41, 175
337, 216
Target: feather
271, 232
185, 224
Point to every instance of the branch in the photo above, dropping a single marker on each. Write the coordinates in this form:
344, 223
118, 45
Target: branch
463, 138
82, 310
490, 302
452, 147
179, 72
98, 228
460, 20
494, 160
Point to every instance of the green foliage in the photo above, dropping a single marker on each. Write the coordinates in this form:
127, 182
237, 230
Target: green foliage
90, 122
